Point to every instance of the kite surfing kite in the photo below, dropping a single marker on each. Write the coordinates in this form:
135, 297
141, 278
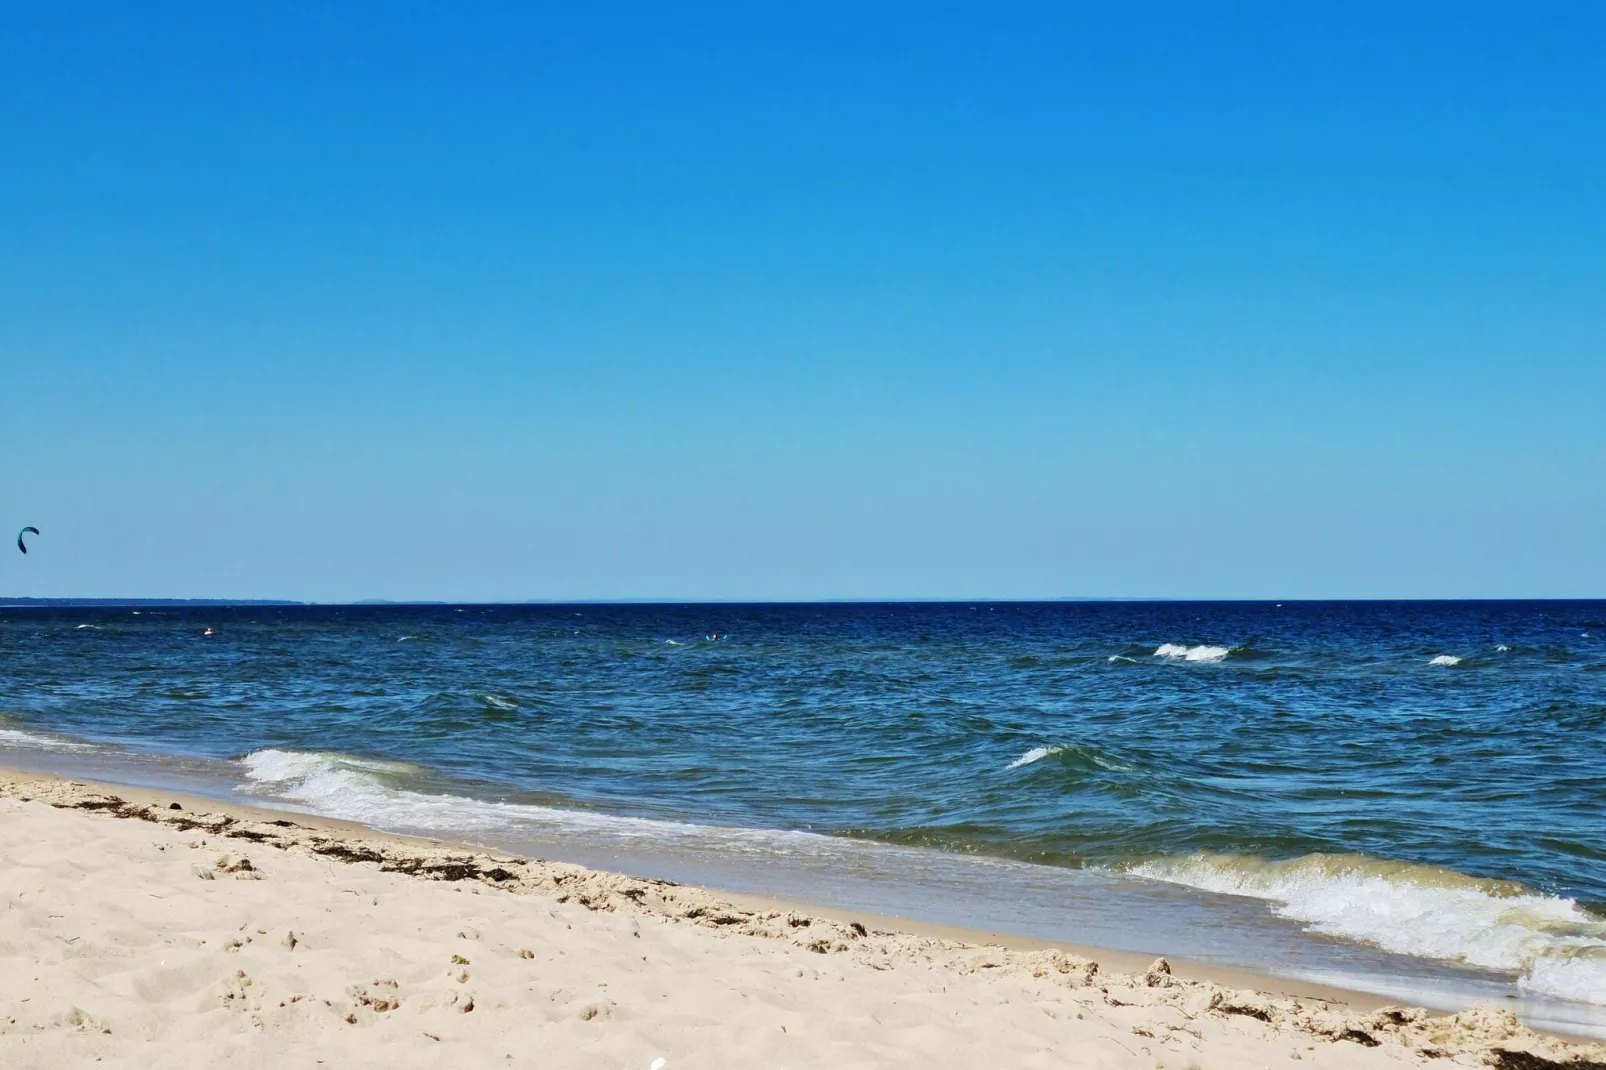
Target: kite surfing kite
25, 531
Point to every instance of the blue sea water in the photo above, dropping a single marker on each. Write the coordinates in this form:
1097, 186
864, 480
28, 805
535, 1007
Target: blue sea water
1409, 797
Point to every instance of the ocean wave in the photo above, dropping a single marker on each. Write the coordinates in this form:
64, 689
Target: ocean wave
1074, 754
92, 627
1121, 659
15, 737
400, 796
1555, 946
1445, 659
405, 798
1036, 754
273, 766
1179, 652
380, 793
501, 703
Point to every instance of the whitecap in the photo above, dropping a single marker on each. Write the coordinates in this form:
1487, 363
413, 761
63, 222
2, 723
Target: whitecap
1502, 648
1179, 652
1445, 659
1557, 947
1117, 658
81, 627
501, 703
1036, 754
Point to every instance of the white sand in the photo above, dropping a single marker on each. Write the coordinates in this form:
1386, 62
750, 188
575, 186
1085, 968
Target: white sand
127, 940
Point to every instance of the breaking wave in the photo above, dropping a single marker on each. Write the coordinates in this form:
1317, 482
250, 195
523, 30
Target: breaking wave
1445, 659
1555, 946
1074, 755
15, 737
404, 797
1179, 652
12, 734
1036, 754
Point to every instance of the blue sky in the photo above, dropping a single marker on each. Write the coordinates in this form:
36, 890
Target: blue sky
468, 302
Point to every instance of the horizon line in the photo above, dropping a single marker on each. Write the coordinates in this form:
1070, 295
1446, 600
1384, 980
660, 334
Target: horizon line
112, 603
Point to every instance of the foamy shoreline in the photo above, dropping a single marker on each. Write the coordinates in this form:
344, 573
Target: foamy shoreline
177, 937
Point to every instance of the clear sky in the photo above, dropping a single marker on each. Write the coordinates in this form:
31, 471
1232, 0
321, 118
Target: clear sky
460, 301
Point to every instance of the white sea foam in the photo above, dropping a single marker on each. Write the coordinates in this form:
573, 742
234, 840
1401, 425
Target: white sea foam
1502, 648
283, 766
1117, 658
379, 793
1582, 978
1179, 652
1036, 754
1557, 947
92, 627
13, 737
339, 785
1445, 659
1088, 754
391, 795
501, 703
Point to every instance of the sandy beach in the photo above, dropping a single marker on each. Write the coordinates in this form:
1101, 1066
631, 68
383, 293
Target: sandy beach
151, 929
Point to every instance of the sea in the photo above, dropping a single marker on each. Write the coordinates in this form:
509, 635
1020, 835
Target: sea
1406, 798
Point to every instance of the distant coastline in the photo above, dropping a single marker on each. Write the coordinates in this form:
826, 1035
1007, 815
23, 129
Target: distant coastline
142, 602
